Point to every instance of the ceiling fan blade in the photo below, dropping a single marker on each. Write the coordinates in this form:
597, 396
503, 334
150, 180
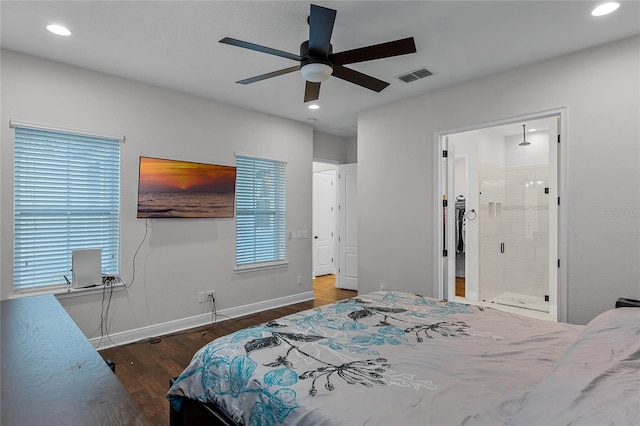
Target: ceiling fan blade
359, 78
258, 48
311, 91
268, 75
377, 51
321, 22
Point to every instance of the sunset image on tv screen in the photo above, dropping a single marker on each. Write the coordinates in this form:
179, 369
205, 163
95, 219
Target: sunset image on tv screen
172, 188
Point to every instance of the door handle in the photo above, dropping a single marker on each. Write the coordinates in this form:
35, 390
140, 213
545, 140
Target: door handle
316, 237
501, 247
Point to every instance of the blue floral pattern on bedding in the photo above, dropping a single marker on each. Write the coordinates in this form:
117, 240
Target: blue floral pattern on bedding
325, 349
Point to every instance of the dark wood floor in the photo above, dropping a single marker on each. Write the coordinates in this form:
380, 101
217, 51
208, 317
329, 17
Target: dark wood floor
145, 367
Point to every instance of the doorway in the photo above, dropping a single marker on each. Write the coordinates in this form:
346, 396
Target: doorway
500, 232
334, 222
324, 219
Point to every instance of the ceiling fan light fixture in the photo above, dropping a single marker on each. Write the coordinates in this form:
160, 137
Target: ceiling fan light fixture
316, 72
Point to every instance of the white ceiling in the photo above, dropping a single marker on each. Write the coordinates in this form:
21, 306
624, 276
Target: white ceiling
174, 44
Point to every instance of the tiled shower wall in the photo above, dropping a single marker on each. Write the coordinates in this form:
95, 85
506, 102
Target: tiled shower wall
514, 209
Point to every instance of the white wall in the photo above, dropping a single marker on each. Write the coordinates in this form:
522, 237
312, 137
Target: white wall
599, 89
179, 257
490, 147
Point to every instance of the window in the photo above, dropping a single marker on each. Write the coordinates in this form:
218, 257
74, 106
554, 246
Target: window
66, 197
260, 212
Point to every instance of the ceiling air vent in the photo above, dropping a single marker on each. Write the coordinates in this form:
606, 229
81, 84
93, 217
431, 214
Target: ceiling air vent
415, 75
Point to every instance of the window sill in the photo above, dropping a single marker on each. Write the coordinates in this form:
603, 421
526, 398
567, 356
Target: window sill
252, 267
65, 292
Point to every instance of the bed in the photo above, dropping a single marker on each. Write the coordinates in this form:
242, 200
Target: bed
391, 358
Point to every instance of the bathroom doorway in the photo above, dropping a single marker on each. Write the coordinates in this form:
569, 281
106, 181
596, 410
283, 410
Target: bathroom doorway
501, 215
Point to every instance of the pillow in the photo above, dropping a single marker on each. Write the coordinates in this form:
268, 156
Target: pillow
597, 379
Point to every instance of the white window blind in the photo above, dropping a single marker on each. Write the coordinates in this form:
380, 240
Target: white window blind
260, 210
66, 197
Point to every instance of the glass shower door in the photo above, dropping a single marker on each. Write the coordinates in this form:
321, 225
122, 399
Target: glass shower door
491, 200
526, 250
514, 235
525, 222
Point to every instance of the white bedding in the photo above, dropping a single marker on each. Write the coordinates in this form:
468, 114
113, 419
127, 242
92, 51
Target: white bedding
597, 379
390, 358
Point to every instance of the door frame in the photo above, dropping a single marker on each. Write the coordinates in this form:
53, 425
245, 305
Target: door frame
441, 262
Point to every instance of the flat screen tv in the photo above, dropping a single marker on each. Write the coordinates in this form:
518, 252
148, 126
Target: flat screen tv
174, 188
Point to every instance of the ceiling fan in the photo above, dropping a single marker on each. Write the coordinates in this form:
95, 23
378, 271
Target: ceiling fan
317, 60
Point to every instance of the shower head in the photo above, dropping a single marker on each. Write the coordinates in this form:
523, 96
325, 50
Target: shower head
524, 139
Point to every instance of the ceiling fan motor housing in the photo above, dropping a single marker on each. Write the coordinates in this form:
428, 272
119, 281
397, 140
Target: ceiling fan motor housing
308, 57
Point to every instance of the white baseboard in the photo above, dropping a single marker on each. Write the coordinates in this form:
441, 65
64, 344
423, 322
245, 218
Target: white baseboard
130, 336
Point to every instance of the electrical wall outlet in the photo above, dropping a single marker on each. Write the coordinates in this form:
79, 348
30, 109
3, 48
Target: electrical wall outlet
206, 296
299, 280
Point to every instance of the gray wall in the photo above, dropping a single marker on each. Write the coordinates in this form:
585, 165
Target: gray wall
599, 89
179, 257
352, 150
329, 147
335, 148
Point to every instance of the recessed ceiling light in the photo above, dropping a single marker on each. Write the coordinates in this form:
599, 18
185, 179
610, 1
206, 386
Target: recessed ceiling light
532, 130
59, 30
314, 106
605, 8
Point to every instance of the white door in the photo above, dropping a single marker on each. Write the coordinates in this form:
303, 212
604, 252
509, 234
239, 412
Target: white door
323, 222
348, 227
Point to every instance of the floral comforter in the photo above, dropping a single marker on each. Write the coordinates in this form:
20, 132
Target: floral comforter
383, 358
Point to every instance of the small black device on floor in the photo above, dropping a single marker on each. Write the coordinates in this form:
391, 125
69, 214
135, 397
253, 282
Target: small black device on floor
627, 303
